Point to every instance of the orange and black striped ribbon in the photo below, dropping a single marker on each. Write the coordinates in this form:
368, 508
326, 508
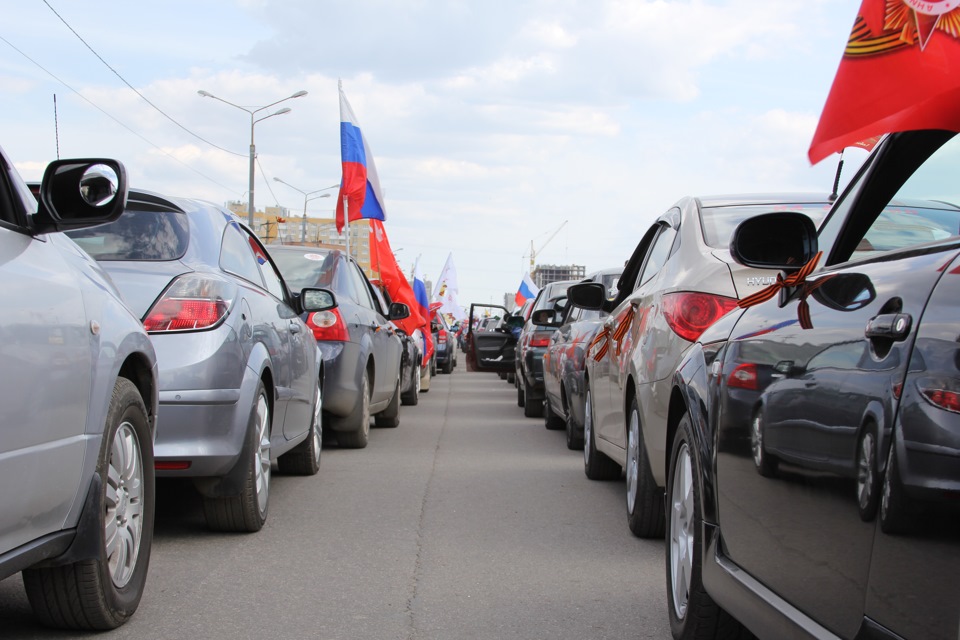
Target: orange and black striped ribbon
603, 338
793, 280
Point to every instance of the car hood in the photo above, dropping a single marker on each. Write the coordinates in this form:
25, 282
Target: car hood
141, 283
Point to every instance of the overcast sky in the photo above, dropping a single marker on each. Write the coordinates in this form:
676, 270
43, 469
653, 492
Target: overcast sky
491, 122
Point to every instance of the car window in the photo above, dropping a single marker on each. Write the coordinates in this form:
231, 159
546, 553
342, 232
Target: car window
137, 235
360, 287
236, 254
718, 223
658, 254
901, 204
267, 271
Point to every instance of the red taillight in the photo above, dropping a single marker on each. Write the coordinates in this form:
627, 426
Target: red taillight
744, 377
943, 398
191, 302
171, 465
540, 339
689, 314
328, 326
442, 336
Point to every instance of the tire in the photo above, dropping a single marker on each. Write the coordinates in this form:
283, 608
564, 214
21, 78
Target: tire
511, 378
411, 397
356, 434
247, 512
551, 420
102, 593
521, 394
765, 463
389, 418
448, 365
895, 515
596, 466
304, 459
868, 476
692, 612
574, 439
433, 365
644, 497
532, 408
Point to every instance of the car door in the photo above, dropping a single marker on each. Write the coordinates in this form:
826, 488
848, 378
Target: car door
489, 350
803, 531
384, 344
46, 346
555, 358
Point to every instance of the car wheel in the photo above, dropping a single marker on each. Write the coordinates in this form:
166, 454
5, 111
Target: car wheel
433, 365
389, 418
574, 439
550, 419
532, 408
644, 497
596, 466
693, 613
425, 380
103, 592
895, 516
304, 459
248, 511
448, 365
511, 378
766, 464
412, 396
868, 478
356, 434
521, 395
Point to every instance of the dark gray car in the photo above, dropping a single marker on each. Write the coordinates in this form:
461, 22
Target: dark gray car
361, 349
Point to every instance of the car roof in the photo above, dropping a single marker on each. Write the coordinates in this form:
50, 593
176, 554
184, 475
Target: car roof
735, 200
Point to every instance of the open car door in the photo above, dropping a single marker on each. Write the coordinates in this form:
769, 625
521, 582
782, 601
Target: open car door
493, 349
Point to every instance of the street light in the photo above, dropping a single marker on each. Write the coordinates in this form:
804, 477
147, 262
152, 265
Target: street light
254, 120
307, 198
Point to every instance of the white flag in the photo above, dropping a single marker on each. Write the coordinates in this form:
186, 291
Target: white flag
446, 291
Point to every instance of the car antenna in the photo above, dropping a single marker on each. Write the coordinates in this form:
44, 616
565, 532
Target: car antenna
836, 179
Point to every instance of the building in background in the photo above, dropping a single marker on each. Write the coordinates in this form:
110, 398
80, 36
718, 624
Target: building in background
280, 225
544, 274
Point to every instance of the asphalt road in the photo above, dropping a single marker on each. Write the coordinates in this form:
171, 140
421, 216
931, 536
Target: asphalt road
466, 521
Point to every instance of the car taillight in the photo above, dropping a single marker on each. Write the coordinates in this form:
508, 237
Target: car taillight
194, 301
944, 394
744, 377
689, 314
328, 326
540, 339
442, 336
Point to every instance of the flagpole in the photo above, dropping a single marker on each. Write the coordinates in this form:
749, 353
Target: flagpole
346, 218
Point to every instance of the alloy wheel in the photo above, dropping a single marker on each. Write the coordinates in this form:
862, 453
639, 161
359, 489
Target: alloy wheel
587, 427
866, 469
123, 523
682, 531
262, 454
633, 460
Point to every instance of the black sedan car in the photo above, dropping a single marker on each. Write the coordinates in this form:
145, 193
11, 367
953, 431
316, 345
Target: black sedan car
360, 347
825, 502
564, 364
532, 344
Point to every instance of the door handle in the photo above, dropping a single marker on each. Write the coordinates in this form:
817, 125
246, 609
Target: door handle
889, 326
294, 326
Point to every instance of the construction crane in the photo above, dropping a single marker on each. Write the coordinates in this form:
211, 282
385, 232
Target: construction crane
535, 252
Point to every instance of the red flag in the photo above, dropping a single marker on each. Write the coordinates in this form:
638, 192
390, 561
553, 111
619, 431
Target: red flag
900, 71
383, 262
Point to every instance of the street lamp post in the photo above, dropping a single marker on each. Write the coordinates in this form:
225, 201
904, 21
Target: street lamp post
307, 197
254, 120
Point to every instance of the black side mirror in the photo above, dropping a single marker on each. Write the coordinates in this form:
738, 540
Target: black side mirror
545, 318
76, 194
399, 311
785, 240
587, 295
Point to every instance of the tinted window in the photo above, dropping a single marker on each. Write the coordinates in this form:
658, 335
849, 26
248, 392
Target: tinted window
270, 277
658, 254
305, 269
236, 255
137, 235
361, 287
718, 223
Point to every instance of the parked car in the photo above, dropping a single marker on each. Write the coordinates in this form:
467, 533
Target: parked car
837, 514
532, 344
564, 363
443, 342
239, 383
360, 346
491, 349
78, 405
411, 371
679, 281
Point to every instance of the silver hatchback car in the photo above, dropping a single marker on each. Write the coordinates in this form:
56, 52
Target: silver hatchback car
239, 369
78, 405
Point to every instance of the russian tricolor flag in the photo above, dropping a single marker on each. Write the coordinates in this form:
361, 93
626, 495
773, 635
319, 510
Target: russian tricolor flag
423, 307
527, 290
360, 185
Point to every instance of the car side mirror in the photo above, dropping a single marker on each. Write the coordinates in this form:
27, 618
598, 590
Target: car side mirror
587, 295
545, 318
314, 300
784, 240
399, 311
76, 194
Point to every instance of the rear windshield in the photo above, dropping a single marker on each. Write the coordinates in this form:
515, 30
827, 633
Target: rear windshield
553, 293
718, 223
137, 235
310, 269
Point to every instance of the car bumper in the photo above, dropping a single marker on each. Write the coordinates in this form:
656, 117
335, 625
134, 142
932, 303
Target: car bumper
342, 377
